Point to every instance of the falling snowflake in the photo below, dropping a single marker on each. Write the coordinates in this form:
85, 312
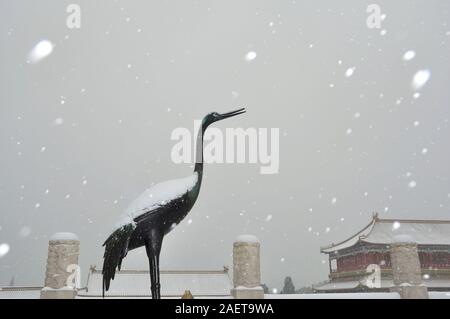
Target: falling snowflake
424, 150
412, 184
349, 72
189, 221
383, 32
43, 148
58, 121
349, 131
268, 218
37, 205
420, 79
40, 51
396, 225
333, 200
409, 55
4, 249
25, 231
416, 123
250, 56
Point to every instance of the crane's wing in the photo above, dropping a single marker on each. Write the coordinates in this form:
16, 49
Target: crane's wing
116, 248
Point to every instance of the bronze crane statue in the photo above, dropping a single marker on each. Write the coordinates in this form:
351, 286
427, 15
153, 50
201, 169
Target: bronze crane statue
154, 214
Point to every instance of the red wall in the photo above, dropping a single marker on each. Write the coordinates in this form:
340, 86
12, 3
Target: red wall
362, 260
439, 260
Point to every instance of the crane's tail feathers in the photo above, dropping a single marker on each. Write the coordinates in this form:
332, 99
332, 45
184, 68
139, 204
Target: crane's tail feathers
116, 248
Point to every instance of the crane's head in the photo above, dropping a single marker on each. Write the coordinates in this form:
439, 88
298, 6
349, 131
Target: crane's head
214, 117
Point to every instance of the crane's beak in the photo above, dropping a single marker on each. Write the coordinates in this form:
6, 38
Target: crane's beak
232, 113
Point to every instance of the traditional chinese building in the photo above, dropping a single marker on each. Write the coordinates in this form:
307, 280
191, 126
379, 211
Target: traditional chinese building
354, 261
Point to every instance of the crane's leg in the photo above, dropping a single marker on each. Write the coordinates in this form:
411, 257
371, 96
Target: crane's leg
153, 248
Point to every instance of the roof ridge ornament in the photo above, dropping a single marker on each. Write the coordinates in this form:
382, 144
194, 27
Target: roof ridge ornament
375, 216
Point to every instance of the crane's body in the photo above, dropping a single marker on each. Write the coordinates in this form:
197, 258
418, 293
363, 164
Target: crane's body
154, 214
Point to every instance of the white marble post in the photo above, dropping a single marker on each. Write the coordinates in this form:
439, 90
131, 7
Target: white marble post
246, 268
62, 261
406, 271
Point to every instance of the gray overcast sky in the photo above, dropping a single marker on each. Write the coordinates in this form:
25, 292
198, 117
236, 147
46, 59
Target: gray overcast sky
138, 69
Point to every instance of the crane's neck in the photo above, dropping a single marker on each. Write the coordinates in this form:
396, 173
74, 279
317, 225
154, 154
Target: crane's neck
199, 161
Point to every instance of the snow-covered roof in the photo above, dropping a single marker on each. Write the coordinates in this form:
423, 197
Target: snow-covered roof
385, 284
439, 294
136, 283
20, 292
387, 231
355, 295
359, 295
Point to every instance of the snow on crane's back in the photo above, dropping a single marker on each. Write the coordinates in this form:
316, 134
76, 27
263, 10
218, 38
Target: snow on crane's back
157, 195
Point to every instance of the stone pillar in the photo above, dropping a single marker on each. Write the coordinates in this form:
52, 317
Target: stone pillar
246, 268
62, 262
406, 271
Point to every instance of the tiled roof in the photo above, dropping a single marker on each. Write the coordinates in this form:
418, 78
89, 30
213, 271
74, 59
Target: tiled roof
20, 292
361, 295
384, 231
385, 284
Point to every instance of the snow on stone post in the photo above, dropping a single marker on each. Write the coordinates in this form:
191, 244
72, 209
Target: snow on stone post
406, 272
63, 251
246, 268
